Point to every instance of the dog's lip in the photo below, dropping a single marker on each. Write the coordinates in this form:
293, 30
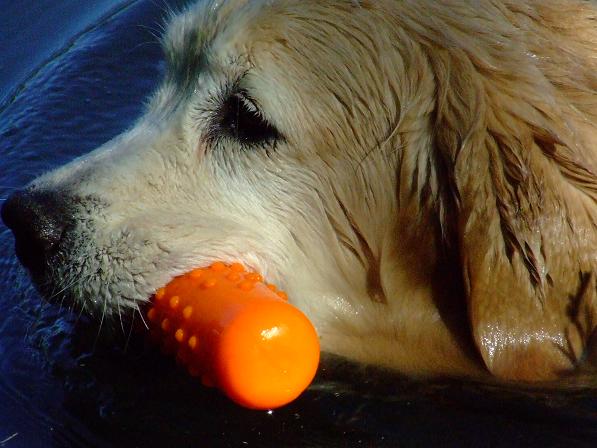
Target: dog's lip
247, 267
35, 264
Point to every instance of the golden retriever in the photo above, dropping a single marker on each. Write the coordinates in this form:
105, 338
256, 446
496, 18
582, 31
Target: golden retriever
420, 176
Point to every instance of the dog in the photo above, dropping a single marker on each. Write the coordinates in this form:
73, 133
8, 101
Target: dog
419, 176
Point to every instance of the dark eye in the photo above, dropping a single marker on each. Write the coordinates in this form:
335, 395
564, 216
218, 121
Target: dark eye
242, 120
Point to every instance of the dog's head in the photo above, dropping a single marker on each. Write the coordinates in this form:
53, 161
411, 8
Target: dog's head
372, 158
258, 147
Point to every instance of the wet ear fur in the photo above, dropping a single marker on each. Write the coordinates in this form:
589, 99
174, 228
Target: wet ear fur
525, 193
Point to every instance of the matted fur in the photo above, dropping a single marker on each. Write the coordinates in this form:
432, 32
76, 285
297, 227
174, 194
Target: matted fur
431, 203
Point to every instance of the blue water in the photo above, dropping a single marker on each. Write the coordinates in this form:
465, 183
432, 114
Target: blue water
72, 75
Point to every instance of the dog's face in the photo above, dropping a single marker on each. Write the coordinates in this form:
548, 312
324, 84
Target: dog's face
399, 174
246, 153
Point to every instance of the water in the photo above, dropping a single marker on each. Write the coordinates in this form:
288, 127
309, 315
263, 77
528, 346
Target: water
73, 75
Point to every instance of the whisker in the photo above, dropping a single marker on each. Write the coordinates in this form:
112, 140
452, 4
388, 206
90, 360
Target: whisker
120, 315
128, 338
139, 45
74, 282
166, 9
153, 32
138, 309
80, 314
100, 326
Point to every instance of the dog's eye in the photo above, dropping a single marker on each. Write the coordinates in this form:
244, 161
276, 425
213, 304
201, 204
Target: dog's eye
242, 120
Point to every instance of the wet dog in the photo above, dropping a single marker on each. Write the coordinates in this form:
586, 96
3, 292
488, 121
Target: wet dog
420, 176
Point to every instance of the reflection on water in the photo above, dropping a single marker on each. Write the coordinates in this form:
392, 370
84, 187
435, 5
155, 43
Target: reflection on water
61, 385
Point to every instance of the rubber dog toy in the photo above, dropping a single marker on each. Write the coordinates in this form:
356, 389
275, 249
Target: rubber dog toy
237, 333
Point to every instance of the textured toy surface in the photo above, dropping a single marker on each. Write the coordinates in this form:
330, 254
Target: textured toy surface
237, 333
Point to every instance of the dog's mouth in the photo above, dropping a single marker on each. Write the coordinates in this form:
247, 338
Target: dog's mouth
82, 293
36, 265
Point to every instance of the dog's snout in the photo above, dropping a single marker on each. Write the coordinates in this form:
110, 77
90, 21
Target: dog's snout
38, 220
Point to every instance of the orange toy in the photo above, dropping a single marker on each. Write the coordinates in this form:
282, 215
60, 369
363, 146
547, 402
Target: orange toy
237, 333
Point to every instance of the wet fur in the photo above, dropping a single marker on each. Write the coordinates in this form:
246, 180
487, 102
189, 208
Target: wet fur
431, 205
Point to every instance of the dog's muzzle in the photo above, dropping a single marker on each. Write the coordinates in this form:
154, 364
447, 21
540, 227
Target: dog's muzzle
38, 220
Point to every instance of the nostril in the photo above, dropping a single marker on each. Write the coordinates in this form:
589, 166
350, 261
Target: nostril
38, 220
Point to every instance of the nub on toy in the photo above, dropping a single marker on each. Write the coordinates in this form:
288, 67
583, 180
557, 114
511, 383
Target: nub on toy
237, 333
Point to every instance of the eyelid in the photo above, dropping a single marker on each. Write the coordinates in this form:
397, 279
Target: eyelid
250, 104
248, 101
263, 133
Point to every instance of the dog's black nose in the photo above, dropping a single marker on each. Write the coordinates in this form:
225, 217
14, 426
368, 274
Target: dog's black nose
38, 220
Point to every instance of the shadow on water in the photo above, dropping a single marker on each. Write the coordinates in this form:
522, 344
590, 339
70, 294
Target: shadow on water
62, 386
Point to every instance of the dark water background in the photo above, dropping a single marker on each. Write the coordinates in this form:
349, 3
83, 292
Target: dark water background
74, 73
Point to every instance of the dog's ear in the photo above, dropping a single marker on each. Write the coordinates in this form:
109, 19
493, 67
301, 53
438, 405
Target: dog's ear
523, 196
